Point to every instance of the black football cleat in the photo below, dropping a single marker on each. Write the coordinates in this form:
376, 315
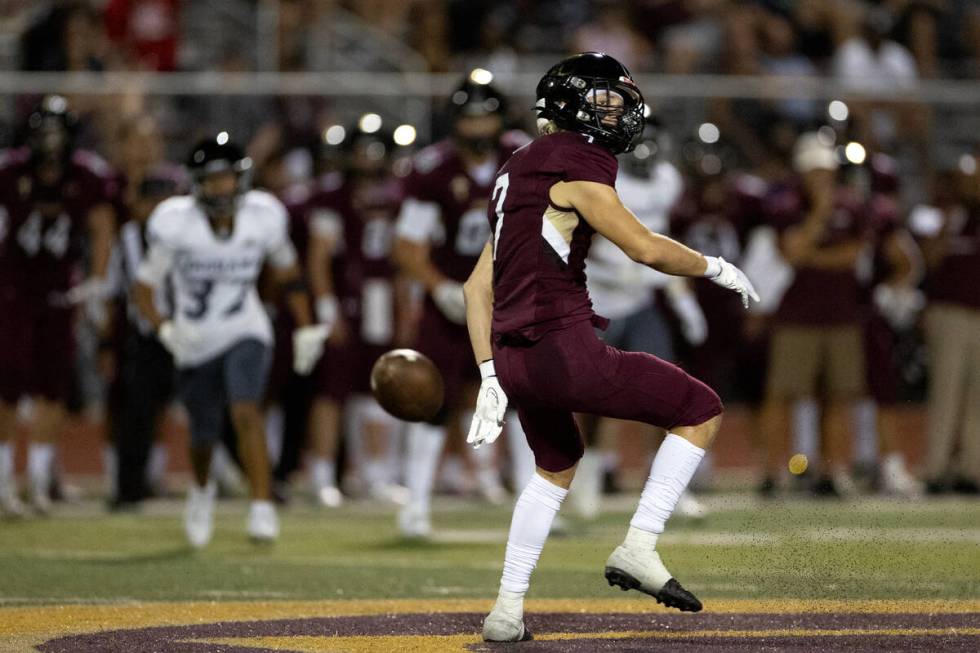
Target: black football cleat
642, 570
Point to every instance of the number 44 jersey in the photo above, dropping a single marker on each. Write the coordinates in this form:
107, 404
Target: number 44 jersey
215, 299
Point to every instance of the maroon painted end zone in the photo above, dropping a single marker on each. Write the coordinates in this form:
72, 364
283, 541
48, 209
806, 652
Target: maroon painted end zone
174, 639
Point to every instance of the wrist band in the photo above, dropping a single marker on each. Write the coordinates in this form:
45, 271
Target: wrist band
486, 369
713, 268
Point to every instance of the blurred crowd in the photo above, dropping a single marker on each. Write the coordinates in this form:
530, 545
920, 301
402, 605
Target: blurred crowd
864, 240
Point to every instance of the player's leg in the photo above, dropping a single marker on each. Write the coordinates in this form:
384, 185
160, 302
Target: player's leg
845, 381
324, 425
49, 422
794, 365
9, 502
968, 470
947, 341
557, 445
246, 371
201, 391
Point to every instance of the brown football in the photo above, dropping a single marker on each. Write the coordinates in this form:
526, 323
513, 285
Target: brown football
407, 385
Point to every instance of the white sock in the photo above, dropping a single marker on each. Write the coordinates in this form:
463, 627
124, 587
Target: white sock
453, 473
865, 416
806, 428
275, 424
110, 467
323, 473
521, 457
586, 489
671, 471
535, 510
156, 467
486, 469
40, 455
6, 466
423, 448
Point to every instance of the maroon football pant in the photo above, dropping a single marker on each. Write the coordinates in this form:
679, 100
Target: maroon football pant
37, 353
572, 371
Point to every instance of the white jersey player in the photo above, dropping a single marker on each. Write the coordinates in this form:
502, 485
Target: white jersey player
213, 245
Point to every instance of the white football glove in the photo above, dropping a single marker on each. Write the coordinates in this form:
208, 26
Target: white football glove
177, 339
449, 298
899, 305
694, 326
491, 406
308, 347
728, 276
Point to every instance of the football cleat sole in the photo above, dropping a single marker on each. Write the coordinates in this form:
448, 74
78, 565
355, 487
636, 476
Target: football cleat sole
671, 595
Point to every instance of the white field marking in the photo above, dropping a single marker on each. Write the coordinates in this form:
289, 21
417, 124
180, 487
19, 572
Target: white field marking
73, 600
244, 594
441, 590
456, 536
900, 535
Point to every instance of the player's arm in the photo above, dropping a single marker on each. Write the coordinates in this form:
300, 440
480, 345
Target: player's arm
325, 227
308, 338
478, 291
102, 234
151, 274
491, 402
412, 258
415, 228
601, 207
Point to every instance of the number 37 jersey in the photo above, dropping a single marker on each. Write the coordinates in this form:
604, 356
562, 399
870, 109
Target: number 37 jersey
215, 298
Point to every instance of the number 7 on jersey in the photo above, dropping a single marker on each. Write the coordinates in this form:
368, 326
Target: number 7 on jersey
503, 181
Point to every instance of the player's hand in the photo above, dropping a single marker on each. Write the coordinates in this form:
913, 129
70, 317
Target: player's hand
448, 297
307, 347
728, 276
491, 406
177, 339
899, 305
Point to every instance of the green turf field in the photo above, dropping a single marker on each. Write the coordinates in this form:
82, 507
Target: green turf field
873, 549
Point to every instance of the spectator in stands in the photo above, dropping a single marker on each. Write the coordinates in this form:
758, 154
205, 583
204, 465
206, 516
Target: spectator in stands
817, 333
950, 236
613, 31
67, 36
146, 31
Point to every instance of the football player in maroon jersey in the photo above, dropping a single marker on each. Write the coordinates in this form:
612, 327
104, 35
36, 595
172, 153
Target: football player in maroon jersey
351, 223
440, 232
530, 318
56, 213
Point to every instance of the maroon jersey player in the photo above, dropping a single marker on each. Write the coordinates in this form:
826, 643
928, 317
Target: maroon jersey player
351, 222
530, 319
440, 232
55, 213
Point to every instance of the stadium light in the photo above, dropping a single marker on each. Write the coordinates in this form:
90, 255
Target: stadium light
369, 123
709, 133
481, 76
838, 110
222, 138
855, 153
334, 135
404, 135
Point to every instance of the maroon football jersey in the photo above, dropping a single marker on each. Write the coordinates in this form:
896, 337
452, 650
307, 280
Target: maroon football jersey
955, 279
820, 297
540, 249
43, 229
363, 217
440, 182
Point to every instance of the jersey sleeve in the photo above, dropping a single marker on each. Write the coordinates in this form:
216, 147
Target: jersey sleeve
162, 245
418, 217
581, 160
279, 247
